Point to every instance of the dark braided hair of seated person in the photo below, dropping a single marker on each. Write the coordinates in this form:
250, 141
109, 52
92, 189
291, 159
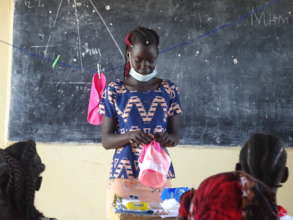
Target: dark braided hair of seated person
264, 158
20, 179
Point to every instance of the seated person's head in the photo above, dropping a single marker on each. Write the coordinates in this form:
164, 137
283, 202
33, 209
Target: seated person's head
264, 158
233, 196
20, 169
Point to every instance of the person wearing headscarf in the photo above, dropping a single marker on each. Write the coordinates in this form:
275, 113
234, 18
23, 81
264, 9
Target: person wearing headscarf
262, 157
233, 196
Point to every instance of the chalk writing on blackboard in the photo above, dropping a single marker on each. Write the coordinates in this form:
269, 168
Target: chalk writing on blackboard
268, 18
34, 3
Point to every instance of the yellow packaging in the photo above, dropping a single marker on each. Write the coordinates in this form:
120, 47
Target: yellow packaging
137, 206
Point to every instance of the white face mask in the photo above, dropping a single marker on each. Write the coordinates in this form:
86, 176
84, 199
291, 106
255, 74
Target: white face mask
140, 77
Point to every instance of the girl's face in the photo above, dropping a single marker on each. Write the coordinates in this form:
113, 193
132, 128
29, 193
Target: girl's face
143, 58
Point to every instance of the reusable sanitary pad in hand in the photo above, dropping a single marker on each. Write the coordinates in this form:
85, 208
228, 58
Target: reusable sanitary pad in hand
154, 163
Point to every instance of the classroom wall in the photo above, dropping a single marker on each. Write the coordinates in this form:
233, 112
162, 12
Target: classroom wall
76, 175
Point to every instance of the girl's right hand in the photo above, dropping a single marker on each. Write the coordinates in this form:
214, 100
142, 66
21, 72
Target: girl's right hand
139, 137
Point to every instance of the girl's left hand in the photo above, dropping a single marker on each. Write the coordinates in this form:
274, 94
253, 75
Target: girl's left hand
166, 139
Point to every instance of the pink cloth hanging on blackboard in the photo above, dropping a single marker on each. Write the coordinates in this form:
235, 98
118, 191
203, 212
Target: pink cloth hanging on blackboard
154, 163
98, 85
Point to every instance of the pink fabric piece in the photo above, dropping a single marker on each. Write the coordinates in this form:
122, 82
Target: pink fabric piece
154, 163
98, 85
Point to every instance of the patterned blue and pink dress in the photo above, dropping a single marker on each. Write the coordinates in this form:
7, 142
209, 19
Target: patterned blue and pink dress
148, 111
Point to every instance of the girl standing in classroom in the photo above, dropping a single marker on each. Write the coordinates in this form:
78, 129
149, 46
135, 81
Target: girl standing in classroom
137, 110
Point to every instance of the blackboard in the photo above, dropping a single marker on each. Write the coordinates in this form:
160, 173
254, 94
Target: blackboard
231, 59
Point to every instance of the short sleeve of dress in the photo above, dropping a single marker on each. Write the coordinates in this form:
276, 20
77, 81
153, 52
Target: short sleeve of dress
107, 104
174, 105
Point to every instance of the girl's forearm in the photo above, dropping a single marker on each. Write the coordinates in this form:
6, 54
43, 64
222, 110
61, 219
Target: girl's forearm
113, 141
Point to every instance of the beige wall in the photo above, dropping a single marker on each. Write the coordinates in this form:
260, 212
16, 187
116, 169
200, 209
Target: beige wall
76, 176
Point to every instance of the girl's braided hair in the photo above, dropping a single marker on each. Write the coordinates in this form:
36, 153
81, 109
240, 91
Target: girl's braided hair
140, 35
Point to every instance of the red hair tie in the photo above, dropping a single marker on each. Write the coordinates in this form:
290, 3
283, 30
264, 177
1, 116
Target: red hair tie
127, 40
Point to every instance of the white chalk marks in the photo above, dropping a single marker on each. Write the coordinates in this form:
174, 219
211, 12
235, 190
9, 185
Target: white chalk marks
34, 3
54, 24
78, 35
111, 35
90, 51
235, 61
268, 18
77, 23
